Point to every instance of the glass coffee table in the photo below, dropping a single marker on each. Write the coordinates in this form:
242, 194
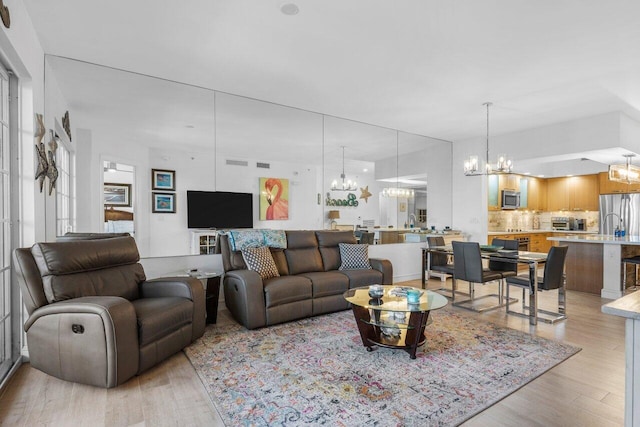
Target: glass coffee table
389, 321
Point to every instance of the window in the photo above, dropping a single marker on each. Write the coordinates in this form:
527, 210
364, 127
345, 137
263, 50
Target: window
65, 203
9, 350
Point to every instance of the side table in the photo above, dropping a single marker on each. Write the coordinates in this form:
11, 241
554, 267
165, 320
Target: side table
211, 287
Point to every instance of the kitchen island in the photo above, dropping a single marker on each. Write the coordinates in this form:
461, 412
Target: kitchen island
594, 262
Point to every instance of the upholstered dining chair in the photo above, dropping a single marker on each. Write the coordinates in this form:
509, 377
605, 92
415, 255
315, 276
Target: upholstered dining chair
507, 269
468, 266
553, 278
441, 264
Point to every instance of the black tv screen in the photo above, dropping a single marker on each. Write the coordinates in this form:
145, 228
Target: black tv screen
219, 209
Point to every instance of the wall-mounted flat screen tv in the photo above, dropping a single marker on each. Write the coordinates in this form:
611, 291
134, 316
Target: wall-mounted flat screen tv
219, 209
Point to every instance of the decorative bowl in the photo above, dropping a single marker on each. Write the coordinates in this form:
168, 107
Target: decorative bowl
376, 291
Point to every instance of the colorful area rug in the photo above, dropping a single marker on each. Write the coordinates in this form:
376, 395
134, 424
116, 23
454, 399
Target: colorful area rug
316, 371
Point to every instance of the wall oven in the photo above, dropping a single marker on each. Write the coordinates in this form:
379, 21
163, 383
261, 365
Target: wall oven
510, 199
523, 243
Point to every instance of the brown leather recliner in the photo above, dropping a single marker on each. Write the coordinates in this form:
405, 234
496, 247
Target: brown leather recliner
93, 316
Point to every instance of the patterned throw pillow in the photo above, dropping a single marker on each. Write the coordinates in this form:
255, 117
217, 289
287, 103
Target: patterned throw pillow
354, 257
260, 261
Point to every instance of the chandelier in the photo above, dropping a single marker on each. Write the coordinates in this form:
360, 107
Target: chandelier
343, 185
472, 165
626, 173
400, 193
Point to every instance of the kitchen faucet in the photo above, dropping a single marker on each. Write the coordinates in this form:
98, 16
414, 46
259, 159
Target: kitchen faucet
412, 219
604, 221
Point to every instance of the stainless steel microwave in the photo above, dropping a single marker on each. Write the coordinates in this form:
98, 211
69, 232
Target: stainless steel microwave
510, 199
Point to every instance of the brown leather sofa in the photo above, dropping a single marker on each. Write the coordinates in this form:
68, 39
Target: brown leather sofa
93, 316
309, 283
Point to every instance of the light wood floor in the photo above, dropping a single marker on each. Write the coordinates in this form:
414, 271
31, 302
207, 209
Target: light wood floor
586, 390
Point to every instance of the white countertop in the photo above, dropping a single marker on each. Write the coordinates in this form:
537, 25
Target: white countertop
502, 233
628, 306
606, 239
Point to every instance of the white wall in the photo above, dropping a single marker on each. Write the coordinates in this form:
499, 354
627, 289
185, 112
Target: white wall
23, 54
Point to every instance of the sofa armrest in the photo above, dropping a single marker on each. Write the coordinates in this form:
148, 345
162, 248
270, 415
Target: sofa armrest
244, 297
90, 340
184, 287
384, 266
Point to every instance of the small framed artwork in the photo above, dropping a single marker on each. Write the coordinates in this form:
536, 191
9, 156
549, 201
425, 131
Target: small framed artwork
163, 180
163, 202
117, 194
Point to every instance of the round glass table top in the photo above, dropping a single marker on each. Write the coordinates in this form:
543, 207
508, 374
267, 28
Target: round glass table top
393, 300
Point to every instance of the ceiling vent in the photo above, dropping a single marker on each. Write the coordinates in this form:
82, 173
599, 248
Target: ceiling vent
237, 162
263, 165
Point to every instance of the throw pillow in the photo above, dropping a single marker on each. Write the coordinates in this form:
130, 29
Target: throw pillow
260, 260
354, 257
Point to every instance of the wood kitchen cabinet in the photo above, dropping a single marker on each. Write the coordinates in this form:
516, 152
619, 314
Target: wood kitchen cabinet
613, 187
557, 194
537, 197
583, 193
576, 193
538, 242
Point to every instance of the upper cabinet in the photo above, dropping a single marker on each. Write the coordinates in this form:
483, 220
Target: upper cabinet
576, 193
612, 187
537, 194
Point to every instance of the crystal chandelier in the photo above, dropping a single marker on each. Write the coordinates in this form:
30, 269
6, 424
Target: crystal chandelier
502, 165
343, 185
401, 193
626, 173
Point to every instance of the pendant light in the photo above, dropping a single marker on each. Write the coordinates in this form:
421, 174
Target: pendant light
343, 185
472, 165
626, 173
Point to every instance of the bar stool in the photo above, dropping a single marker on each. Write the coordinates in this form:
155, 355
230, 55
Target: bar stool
636, 262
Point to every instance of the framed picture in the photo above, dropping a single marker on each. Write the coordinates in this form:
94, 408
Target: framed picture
117, 194
274, 199
163, 202
163, 180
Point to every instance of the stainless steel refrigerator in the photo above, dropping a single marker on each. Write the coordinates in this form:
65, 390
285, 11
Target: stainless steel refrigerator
626, 207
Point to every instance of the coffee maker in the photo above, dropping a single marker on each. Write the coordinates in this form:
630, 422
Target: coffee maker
579, 224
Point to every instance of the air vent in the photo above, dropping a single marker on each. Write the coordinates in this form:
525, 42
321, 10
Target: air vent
238, 162
263, 165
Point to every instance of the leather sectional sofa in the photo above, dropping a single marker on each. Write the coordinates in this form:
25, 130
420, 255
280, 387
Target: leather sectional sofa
310, 282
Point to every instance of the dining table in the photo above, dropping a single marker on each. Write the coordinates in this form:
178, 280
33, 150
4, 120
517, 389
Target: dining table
532, 259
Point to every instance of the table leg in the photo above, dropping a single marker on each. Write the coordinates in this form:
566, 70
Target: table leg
533, 299
424, 267
415, 333
367, 331
212, 296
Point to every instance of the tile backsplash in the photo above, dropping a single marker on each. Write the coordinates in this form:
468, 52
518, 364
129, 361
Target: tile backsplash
523, 220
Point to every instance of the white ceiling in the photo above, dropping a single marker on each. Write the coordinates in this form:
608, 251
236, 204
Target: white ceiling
421, 66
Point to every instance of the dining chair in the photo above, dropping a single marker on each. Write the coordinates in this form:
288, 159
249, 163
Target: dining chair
553, 278
506, 268
440, 263
467, 260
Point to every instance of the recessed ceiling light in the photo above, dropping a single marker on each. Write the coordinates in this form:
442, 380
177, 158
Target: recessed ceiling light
365, 170
527, 173
540, 176
569, 176
289, 9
